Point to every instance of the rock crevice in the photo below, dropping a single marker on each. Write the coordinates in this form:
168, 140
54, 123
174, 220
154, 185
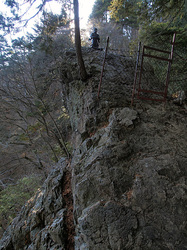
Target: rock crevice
129, 185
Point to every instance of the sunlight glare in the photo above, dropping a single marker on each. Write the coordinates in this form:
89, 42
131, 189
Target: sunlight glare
85, 9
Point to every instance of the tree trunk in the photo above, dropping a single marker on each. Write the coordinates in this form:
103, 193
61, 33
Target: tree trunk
82, 69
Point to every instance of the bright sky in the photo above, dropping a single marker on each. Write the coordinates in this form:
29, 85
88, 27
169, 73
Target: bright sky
85, 8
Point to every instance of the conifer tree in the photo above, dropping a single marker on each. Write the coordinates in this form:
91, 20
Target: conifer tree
8, 23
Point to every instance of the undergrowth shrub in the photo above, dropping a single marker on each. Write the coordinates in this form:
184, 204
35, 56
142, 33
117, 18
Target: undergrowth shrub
14, 197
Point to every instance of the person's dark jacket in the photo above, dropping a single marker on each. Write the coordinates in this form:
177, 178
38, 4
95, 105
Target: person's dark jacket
95, 40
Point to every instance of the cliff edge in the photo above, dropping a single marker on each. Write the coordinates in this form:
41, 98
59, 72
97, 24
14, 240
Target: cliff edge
125, 187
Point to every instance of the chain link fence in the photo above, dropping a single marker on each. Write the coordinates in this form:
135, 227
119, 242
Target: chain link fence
154, 71
178, 77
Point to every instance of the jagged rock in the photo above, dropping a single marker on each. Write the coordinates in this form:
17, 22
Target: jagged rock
128, 170
40, 225
131, 164
106, 225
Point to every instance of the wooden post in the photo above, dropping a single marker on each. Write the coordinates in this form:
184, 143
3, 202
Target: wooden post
135, 76
99, 87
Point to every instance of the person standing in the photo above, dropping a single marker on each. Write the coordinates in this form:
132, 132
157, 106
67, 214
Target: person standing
95, 39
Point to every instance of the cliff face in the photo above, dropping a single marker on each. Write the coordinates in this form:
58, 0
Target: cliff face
128, 188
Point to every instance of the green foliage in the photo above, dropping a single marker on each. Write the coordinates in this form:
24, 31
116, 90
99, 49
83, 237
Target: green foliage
158, 20
143, 12
23, 137
14, 197
59, 151
124, 12
34, 128
35, 98
100, 8
4, 51
41, 107
43, 38
11, 3
159, 35
161, 9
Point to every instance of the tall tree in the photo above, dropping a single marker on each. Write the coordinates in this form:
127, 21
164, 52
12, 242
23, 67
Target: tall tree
82, 69
8, 23
100, 10
146, 12
124, 11
31, 103
121, 27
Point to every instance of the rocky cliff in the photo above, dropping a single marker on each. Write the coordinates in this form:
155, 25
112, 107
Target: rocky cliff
125, 187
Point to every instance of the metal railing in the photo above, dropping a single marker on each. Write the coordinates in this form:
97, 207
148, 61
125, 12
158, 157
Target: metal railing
154, 89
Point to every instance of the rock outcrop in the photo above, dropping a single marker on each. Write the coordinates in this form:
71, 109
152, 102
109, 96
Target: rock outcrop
46, 220
129, 188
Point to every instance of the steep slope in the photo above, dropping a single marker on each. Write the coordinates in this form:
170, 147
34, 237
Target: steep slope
128, 167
